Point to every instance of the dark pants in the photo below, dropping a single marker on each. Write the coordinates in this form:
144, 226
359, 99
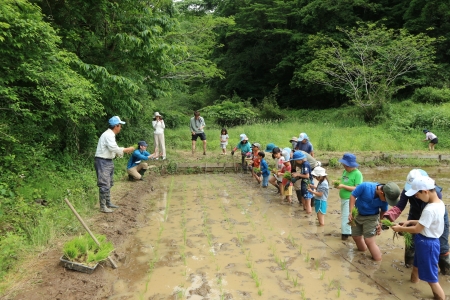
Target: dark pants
105, 171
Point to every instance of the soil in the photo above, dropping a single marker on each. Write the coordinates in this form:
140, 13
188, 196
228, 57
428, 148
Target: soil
49, 280
236, 234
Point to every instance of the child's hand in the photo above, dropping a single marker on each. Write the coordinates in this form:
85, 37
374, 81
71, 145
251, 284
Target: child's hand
397, 228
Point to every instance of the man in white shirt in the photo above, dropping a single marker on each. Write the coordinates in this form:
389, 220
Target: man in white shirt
107, 149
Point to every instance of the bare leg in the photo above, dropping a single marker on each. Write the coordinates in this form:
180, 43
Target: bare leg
204, 147
308, 206
193, 147
438, 292
360, 244
373, 248
415, 275
321, 218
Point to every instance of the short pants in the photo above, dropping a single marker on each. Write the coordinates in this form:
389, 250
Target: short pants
201, 135
366, 226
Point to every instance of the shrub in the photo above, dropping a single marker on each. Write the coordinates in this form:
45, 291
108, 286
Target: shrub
431, 95
230, 114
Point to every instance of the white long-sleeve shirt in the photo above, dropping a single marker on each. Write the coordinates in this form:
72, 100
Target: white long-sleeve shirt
107, 146
158, 126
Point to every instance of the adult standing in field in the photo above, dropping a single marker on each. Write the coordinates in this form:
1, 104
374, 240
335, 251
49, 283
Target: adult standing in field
197, 125
304, 144
371, 199
350, 179
416, 207
107, 150
158, 125
429, 136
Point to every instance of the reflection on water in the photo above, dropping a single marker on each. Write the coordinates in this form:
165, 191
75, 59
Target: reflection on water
229, 239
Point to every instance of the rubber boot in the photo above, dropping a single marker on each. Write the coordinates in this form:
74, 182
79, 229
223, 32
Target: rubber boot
108, 201
444, 263
130, 177
103, 207
142, 172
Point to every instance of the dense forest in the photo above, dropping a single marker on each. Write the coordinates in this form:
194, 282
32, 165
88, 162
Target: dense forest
68, 66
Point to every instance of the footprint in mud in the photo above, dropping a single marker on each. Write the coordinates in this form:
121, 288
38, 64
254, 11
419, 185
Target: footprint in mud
230, 265
190, 244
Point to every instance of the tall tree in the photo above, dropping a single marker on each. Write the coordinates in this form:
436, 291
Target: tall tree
371, 64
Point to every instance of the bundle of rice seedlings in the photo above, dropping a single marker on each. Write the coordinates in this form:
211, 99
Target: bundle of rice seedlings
354, 215
287, 175
408, 239
387, 223
336, 183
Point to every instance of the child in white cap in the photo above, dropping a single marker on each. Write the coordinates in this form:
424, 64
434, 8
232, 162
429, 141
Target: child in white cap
320, 193
429, 228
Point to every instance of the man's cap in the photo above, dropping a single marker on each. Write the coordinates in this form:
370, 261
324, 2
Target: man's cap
258, 145
142, 143
391, 192
422, 183
303, 136
115, 120
293, 139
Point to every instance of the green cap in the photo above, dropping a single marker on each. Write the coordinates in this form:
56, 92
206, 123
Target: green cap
391, 192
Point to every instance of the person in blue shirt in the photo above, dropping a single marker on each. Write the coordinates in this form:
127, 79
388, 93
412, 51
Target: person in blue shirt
371, 199
245, 148
302, 178
304, 144
264, 167
135, 167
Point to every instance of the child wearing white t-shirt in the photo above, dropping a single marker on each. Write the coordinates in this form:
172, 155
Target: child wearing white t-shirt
429, 228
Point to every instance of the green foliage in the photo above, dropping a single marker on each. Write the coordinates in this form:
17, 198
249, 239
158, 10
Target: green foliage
371, 64
10, 247
230, 114
431, 95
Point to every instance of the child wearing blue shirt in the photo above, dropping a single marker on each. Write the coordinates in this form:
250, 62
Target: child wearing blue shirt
264, 167
246, 151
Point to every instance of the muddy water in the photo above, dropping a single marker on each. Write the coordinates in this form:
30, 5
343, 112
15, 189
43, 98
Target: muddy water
223, 237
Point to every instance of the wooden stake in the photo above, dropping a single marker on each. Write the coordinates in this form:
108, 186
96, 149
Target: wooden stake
87, 229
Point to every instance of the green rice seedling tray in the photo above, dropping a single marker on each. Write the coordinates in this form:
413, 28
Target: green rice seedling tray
77, 266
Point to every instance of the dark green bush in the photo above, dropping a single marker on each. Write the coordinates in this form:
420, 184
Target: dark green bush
431, 95
230, 114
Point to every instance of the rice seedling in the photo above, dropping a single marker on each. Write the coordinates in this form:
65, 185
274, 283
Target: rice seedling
283, 264
259, 292
253, 274
295, 281
248, 256
300, 249
287, 274
330, 283
354, 215
180, 294
408, 239
338, 291
307, 258
249, 264
303, 294
387, 223
322, 275
316, 264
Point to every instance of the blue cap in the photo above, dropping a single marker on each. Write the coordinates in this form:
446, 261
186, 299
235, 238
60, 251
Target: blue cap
269, 147
142, 143
349, 159
298, 155
115, 120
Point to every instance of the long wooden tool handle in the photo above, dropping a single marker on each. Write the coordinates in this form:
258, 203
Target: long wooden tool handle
87, 229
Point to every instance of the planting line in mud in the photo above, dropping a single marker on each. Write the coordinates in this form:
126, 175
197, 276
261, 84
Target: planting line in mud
155, 257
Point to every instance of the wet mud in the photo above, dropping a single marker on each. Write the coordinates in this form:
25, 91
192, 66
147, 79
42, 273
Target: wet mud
222, 236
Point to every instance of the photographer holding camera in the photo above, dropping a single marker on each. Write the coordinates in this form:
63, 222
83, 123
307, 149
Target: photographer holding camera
158, 125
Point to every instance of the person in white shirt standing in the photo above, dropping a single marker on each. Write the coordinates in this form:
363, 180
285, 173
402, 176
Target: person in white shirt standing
158, 125
429, 136
107, 149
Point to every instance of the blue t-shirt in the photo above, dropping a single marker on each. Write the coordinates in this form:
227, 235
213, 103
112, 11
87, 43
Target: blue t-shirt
307, 147
136, 158
264, 168
367, 202
306, 169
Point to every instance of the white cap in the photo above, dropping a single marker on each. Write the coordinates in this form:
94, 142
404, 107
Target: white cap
319, 171
422, 183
